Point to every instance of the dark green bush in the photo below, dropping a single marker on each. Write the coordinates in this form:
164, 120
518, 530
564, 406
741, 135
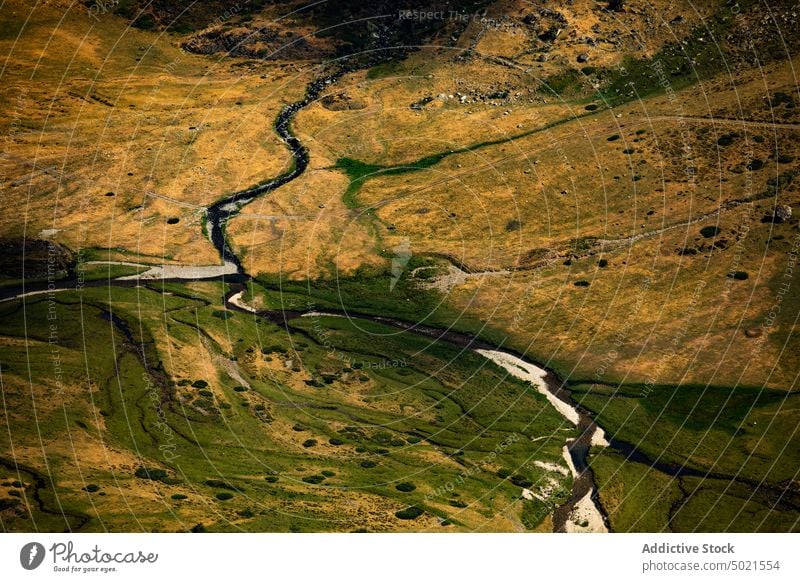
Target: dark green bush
710, 231
368, 464
513, 225
200, 384
224, 495
219, 484
9, 503
521, 481
151, 473
240, 389
405, 487
308, 443
314, 479
179, 496
271, 478
412, 512
92, 488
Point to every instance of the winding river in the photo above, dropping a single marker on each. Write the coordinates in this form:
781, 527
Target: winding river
583, 501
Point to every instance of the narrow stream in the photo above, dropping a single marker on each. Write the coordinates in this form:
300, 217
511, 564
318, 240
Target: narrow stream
220, 212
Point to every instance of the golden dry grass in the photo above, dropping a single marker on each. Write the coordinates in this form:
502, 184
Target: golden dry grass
107, 108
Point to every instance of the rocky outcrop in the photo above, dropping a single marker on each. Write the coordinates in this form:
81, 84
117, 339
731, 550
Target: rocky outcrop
35, 259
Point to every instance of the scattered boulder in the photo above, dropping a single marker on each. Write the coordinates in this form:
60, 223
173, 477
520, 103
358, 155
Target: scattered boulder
782, 213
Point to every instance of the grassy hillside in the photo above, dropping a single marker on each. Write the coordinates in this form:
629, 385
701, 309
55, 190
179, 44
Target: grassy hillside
613, 193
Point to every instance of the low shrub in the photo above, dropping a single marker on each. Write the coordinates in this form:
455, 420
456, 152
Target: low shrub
9, 503
411, 512
219, 484
521, 481
151, 473
739, 275
405, 487
314, 479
